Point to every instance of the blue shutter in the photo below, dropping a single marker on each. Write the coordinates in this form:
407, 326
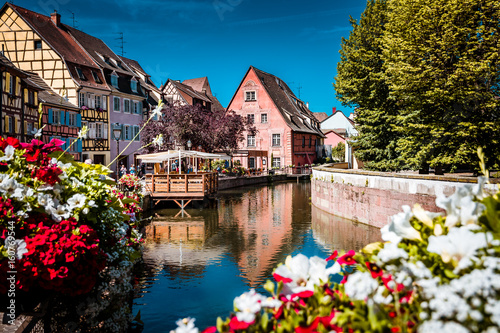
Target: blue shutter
61, 117
68, 142
122, 137
67, 117
51, 117
79, 146
79, 121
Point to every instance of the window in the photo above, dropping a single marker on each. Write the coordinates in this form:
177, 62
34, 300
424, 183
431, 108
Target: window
72, 119
96, 77
249, 96
251, 141
310, 142
30, 128
276, 140
38, 44
114, 80
119, 64
251, 118
137, 108
126, 106
12, 84
116, 102
98, 103
136, 131
303, 141
263, 118
81, 99
276, 162
127, 132
80, 74
73, 145
251, 162
31, 97
57, 117
133, 85
99, 130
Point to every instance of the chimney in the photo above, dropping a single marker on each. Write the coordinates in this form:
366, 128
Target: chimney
56, 18
307, 105
334, 109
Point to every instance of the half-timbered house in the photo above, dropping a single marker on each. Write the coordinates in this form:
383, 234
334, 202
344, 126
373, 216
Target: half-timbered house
61, 119
190, 92
19, 102
44, 45
287, 131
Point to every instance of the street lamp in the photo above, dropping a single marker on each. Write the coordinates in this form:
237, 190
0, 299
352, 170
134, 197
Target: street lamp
189, 144
117, 133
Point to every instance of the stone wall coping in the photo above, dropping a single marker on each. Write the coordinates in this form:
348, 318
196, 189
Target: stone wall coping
447, 178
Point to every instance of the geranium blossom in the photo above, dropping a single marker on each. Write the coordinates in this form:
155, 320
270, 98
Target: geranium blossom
461, 207
360, 285
185, 325
247, 305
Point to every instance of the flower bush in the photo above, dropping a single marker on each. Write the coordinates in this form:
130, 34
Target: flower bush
131, 182
64, 229
433, 272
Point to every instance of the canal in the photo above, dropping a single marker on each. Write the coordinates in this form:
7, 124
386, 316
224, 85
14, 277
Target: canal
196, 264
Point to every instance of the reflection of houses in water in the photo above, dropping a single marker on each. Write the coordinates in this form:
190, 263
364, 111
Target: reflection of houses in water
337, 233
262, 222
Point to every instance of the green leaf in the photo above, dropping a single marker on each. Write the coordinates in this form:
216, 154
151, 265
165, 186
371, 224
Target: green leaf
269, 286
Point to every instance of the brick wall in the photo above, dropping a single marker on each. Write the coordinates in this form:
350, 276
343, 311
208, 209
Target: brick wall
373, 198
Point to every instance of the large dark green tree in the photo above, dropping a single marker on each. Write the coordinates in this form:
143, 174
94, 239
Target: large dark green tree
442, 60
361, 83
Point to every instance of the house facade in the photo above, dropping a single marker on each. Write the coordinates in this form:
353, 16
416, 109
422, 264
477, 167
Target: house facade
287, 131
61, 119
45, 46
18, 103
339, 123
190, 92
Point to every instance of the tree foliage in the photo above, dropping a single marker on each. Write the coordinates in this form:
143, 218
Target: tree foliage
338, 152
216, 130
361, 83
434, 85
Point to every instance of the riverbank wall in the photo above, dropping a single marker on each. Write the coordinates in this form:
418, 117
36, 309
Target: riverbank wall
373, 197
232, 182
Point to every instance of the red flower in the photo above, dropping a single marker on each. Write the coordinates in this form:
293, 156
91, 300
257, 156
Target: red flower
347, 259
235, 324
395, 329
13, 142
374, 269
211, 329
333, 256
49, 175
279, 278
308, 329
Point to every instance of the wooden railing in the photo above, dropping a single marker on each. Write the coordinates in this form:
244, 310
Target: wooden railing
188, 184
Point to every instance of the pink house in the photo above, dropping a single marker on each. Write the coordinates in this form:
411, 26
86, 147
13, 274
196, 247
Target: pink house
333, 138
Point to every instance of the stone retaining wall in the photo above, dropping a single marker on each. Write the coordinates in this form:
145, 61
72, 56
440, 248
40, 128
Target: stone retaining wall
232, 182
373, 197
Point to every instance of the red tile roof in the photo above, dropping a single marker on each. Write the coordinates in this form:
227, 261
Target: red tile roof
198, 84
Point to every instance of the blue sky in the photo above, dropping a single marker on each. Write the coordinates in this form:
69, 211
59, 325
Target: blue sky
298, 41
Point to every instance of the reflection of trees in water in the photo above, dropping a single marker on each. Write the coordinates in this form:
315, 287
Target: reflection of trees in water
339, 233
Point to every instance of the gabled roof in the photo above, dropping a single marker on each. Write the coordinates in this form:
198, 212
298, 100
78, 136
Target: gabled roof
320, 116
335, 133
134, 65
198, 84
188, 90
341, 113
10, 67
62, 42
294, 111
47, 95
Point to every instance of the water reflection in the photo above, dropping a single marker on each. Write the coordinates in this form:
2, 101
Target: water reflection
195, 265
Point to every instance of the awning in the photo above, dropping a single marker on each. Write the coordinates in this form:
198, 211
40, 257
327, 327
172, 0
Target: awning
175, 154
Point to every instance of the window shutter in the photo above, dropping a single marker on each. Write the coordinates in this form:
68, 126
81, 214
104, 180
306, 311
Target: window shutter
79, 121
26, 128
18, 81
105, 131
7, 82
79, 146
51, 117
92, 130
35, 98
68, 116
104, 99
26, 99
68, 142
61, 117
122, 137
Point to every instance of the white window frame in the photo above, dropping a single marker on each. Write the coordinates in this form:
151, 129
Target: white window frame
262, 116
251, 118
125, 103
250, 140
72, 119
56, 114
137, 108
276, 140
133, 85
277, 162
114, 79
126, 130
250, 96
99, 131
119, 104
98, 103
81, 99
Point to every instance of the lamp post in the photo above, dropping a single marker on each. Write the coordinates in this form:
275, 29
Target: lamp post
189, 144
117, 132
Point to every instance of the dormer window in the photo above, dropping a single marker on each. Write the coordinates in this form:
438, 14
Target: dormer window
96, 77
106, 60
114, 80
133, 85
250, 96
119, 64
80, 74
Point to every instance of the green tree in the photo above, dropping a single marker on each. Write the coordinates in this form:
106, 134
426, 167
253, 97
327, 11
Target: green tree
442, 63
361, 83
338, 152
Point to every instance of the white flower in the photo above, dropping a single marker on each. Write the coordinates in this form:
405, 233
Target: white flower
424, 216
157, 111
400, 227
391, 251
304, 273
185, 325
9, 185
77, 201
60, 212
461, 207
247, 305
360, 285
9, 153
16, 247
444, 327
459, 246
82, 134
158, 141
45, 200
38, 133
